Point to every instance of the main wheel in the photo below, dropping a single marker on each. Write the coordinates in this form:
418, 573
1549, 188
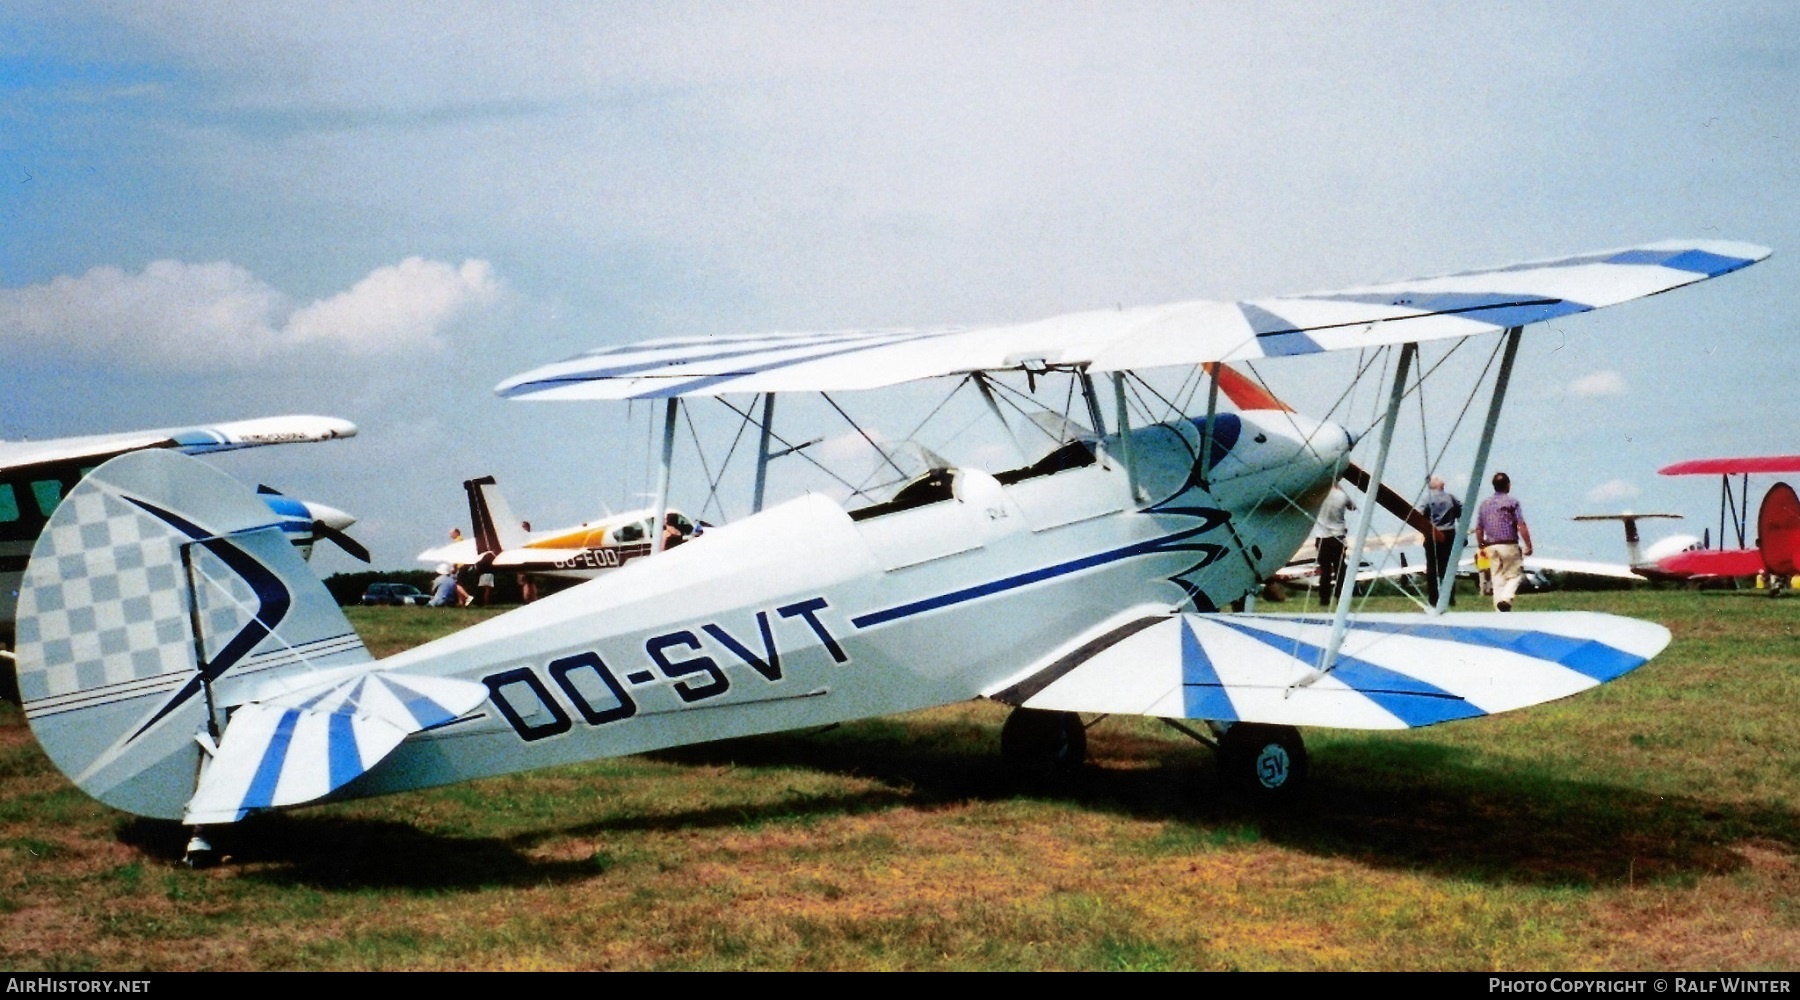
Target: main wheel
1265, 761
1041, 744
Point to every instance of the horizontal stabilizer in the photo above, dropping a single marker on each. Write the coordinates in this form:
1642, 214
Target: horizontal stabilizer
1394, 671
303, 746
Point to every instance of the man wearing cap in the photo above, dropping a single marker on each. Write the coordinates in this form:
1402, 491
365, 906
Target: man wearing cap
443, 589
1504, 538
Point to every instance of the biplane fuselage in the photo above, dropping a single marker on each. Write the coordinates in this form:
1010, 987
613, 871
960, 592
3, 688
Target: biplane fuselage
806, 614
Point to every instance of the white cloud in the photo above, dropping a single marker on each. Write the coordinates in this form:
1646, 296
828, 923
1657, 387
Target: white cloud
1612, 490
219, 316
1606, 383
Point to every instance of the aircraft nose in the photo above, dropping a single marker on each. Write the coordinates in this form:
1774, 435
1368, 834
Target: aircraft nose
331, 517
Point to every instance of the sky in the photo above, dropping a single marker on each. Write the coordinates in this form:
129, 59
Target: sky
378, 211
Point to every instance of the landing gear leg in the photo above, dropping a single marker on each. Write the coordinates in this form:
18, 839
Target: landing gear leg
1040, 744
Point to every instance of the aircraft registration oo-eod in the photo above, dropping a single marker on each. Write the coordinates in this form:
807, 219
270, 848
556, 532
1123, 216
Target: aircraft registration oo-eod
177, 659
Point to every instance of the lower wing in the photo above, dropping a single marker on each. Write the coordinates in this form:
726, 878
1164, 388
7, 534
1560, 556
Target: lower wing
1393, 671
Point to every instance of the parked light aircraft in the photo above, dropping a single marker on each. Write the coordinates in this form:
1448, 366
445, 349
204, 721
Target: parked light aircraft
1775, 549
1641, 562
1087, 582
36, 475
500, 541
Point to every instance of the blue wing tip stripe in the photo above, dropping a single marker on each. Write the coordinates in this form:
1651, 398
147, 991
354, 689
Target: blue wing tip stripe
1697, 261
1589, 657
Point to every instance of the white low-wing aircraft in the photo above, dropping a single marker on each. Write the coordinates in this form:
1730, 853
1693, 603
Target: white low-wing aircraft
178, 661
584, 551
1641, 561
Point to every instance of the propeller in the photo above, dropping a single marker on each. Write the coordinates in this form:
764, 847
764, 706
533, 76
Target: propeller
1247, 394
319, 521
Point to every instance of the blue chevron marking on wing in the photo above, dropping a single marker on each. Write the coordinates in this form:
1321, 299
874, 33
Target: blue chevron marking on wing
1276, 336
1408, 699
1202, 693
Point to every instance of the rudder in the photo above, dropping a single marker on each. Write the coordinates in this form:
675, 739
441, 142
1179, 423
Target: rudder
161, 594
1778, 530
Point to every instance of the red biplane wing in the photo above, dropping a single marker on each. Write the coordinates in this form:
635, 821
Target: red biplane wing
1733, 466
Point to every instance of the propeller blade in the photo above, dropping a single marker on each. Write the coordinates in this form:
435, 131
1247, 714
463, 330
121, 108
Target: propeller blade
350, 545
1246, 394
1390, 501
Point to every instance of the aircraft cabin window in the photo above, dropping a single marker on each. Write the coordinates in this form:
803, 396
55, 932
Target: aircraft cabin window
48, 493
630, 532
926, 489
1074, 455
9, 504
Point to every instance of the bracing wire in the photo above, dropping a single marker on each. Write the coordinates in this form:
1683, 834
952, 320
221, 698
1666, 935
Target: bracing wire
793, 450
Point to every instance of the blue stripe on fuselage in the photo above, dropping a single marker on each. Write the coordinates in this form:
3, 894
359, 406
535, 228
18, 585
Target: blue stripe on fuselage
1163, 543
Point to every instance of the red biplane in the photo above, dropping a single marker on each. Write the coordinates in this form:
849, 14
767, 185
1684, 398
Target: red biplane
1776, 544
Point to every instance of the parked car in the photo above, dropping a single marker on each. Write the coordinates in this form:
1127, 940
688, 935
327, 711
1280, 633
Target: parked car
394, 593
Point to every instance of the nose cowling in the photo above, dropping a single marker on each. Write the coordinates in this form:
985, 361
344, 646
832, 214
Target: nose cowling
1290, 449
331, 517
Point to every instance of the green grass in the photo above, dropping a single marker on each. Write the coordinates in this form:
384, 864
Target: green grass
1652, 824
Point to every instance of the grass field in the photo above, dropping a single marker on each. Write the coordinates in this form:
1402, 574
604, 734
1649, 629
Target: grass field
1651, 824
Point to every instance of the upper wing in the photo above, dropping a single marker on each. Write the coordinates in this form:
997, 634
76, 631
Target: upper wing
195, 440
1732, 466
1395, 671
1184, 333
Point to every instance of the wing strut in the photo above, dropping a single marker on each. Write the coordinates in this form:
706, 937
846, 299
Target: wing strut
662, 479
1501, 378
1366, 516
1125, 451
762, 451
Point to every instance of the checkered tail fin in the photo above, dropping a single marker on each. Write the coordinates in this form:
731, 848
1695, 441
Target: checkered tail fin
161, 597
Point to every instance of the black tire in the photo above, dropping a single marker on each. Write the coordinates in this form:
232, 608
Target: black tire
1038, 744
1267, 762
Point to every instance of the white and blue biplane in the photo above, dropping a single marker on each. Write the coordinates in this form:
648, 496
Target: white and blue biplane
177, 660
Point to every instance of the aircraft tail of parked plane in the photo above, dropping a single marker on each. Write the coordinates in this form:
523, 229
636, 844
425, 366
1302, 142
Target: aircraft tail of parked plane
491, 519
579, 552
